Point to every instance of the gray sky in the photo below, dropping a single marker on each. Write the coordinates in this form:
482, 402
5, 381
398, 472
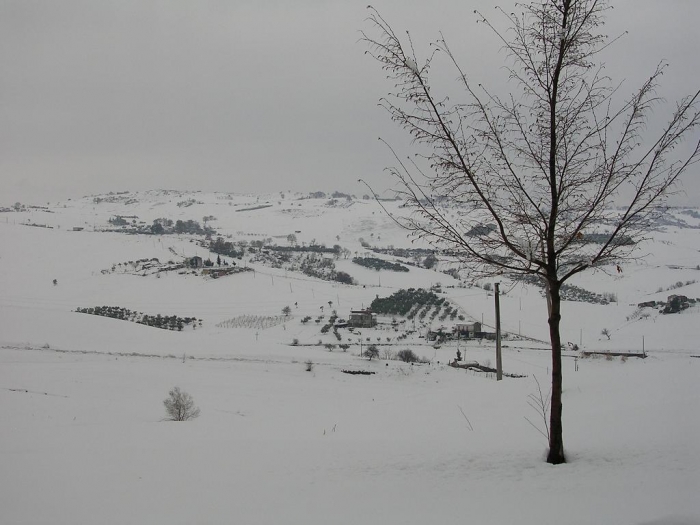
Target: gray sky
248, 95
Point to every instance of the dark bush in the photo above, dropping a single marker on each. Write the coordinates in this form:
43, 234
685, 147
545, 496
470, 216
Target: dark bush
223, 247
407, 356
344, 278
379, 264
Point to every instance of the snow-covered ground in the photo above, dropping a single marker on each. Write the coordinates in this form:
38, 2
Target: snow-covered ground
84, 440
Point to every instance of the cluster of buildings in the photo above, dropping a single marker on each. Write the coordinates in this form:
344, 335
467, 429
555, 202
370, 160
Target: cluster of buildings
366, 319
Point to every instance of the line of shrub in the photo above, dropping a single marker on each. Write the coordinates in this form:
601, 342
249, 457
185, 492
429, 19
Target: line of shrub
168, 322
379, 264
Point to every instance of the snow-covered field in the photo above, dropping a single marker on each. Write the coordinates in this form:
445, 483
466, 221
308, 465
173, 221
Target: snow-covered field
84, 439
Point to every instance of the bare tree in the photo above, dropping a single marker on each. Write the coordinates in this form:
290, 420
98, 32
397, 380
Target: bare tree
524, 185
180, 406
372, 352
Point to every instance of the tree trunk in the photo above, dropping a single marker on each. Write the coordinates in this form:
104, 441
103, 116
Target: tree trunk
556, 442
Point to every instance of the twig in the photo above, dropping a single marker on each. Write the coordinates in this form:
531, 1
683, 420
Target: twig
466, 418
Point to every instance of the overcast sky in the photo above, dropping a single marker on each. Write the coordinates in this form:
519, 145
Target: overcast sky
248, 95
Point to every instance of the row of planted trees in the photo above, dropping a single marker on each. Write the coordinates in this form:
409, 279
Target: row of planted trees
166, 322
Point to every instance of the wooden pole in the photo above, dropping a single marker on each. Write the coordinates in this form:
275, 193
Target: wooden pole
499, 364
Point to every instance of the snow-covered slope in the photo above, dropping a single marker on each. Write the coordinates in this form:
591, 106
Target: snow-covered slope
83, 439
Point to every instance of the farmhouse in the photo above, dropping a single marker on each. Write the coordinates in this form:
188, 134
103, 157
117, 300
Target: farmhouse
362, 318
467, 330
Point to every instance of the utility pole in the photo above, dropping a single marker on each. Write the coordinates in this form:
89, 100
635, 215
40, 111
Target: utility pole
499, 364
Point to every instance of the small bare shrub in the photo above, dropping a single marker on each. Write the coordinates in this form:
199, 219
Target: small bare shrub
309, 365
540, 404
180, 406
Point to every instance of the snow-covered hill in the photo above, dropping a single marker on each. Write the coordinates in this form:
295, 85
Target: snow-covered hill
81, 395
